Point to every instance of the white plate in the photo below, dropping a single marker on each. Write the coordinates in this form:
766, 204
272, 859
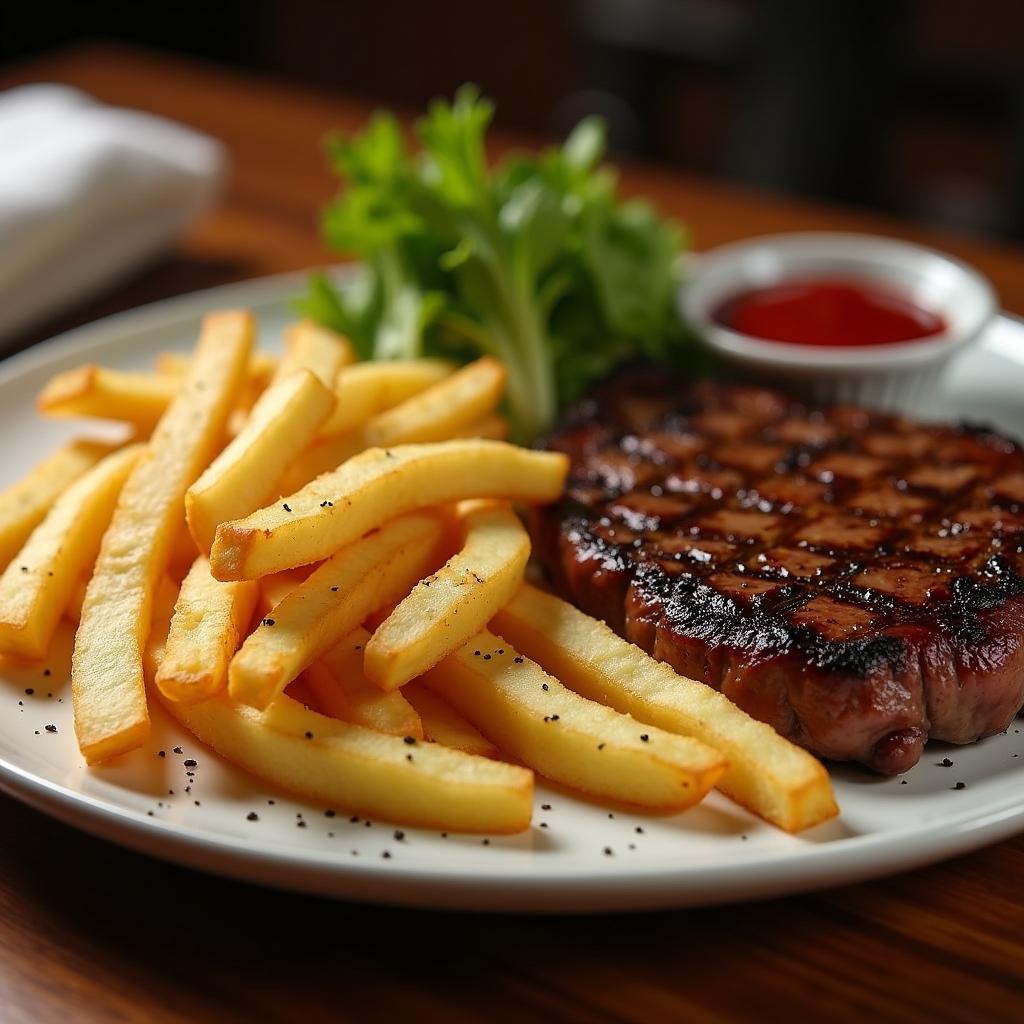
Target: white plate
714, 853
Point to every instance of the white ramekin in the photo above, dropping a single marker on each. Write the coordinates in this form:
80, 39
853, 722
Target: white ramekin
898, 376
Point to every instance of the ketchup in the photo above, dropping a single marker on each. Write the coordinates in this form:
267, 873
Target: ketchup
826, 311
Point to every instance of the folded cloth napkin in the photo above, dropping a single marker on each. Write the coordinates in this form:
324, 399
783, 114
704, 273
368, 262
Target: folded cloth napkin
89, 194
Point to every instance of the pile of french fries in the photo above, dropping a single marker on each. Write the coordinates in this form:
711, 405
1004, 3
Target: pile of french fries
316, 566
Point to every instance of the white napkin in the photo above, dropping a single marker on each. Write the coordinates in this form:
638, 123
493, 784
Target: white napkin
89, 195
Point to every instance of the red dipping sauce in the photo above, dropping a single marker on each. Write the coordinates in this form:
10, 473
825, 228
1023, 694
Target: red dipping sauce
826, 311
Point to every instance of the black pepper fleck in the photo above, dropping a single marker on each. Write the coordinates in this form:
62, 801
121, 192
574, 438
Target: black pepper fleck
644, 738
252, 816
47, 672
411, 740
300, 824
29, 691
638, 830
544, 686
945, 763
309, 735
286, 506
399, 835
329, 814
50, 728
519, 659
178, 750
485, 842
268, 622
487, 657
960, 785
190, 763
607, 851
545, 807
386, 855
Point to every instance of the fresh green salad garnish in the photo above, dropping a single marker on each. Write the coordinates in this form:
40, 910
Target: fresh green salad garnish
537, 261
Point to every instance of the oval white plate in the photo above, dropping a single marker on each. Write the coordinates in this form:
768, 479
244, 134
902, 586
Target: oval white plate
577, 856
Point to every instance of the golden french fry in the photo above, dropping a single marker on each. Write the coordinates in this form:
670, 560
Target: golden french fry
451, 606
136, 398
210, 619
365, 389
767, 774
261, 367
106, 676
364, 772
495, 427
331, 603
274, 589
569, 739
374, 487
445, 410
244, 476
37, 586
443, 724
23, 505
433, 415
342, 691
308, 346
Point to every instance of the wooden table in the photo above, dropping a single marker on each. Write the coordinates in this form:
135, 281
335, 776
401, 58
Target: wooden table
90, 932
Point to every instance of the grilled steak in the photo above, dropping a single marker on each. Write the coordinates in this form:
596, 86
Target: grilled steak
853, 578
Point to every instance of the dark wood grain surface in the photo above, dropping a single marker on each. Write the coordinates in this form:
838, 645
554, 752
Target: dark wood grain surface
90, 932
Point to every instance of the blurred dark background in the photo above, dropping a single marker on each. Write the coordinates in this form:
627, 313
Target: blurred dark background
911, 106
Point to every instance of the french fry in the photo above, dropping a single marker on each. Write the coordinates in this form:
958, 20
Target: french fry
342, 691
443, 724
493, 427
136, 398
308, 346
567, 738
107, 685
345, 765
245, 474
37, 586
767, 774
262, 367
331, 603
365, 389
445, 410
374, 487
382, 777
274, 589
433, 415
451, 606
23, 505
209, 621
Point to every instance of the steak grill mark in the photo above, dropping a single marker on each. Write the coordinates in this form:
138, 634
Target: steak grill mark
854, 578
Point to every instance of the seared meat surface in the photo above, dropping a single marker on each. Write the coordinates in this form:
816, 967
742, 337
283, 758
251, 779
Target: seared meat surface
855, 579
